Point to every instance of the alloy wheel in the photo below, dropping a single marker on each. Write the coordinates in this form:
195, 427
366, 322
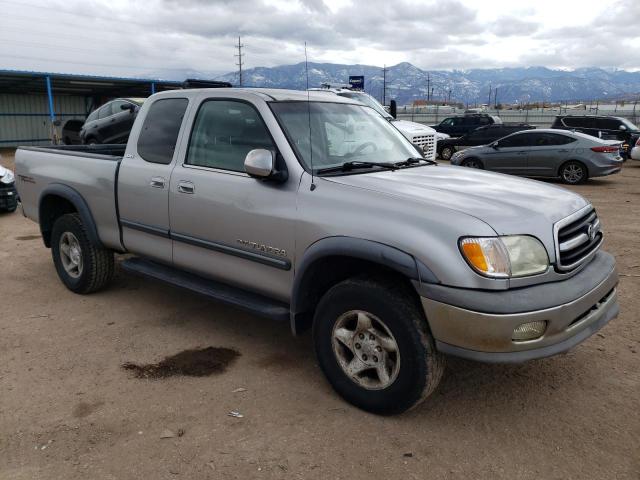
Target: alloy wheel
366, 350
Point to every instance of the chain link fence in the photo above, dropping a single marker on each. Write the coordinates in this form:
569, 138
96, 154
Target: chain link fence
541, 118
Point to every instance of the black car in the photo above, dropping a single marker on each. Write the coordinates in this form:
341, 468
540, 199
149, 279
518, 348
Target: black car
8, 193
112, 122
458, 126
605, 127
71, 132
480, 136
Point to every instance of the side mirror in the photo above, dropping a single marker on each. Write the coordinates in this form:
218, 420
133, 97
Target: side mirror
495, 145
261, 163
622, 128
393, 109
128, 106
419, 149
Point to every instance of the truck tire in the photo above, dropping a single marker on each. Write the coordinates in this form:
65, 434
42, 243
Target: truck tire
82, 266
573, 172
374, 347
446, 153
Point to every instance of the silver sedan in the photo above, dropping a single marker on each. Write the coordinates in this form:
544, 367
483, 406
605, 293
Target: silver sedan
572, 156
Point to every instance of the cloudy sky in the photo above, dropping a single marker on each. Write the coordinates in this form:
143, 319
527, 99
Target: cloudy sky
155, 37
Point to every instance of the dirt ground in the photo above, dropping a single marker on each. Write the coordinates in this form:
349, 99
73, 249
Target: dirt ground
68, 410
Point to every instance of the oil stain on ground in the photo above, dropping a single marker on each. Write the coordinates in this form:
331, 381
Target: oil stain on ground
28, 237
193, 363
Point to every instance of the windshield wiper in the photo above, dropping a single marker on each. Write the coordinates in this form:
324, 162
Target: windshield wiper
348, 166
414, 160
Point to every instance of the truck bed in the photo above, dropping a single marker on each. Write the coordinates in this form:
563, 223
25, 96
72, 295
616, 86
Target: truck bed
90, 170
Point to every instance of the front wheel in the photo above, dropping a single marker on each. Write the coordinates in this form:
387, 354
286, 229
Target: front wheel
373, 345
82, 266
472, 163
573, 173
446, 153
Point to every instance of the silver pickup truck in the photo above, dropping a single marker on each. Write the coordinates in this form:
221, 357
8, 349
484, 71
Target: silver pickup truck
315, 210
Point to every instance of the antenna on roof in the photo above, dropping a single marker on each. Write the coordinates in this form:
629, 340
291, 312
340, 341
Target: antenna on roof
306, 71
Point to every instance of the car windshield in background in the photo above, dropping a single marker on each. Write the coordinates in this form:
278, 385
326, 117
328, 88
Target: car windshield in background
630, 125
368, 101
329, 135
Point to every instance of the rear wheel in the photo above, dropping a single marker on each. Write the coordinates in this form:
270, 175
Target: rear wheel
82, 266
92, 141
472, 163
573, 173
446, 153
373, 345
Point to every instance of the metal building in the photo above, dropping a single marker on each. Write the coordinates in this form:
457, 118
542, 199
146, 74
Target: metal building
34, 106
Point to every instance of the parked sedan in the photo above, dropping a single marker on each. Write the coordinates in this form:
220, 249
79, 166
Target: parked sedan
480, 136
112, 122
572, 156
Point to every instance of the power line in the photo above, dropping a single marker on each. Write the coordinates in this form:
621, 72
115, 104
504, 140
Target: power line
240, 62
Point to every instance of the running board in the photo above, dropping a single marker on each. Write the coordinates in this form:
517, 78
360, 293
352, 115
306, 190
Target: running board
251, 302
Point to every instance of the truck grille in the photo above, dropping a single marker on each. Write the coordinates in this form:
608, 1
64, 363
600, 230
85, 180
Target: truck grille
578, 237
428, 144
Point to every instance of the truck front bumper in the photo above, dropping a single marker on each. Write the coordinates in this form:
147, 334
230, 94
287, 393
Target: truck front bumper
479, 325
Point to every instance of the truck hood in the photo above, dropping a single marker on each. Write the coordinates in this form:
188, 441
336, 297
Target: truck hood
413, 128
510, 205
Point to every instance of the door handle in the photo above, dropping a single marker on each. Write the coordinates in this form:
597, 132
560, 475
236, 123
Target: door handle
157, 182
186, 187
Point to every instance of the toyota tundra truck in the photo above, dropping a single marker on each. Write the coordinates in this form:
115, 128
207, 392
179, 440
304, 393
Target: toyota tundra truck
314, 210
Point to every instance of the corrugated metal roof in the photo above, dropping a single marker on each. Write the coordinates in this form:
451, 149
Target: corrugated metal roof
27, 82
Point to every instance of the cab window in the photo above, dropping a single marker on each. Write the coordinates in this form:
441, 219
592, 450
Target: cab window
224, 132
159, 134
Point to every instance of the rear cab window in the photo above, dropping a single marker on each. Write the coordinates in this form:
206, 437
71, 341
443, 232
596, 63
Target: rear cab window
159, 133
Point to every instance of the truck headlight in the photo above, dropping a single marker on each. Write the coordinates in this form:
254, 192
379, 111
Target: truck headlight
8, 177
505, 257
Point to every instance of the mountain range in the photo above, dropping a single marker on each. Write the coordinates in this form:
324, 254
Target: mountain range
406, 82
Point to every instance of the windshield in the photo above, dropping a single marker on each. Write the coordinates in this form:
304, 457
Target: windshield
368, 100
332, 134
629, 124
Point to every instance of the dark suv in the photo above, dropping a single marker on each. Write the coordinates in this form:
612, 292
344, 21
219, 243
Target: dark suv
607, 128
458, 126
480, 136
112, 122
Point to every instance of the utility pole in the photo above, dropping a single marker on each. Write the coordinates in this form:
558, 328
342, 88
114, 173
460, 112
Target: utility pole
428, 86
432, 94
495, 98
489, 102
384, 85
240, 62
449, 97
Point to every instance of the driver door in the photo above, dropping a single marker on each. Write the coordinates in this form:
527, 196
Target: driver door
225, 224
510, 156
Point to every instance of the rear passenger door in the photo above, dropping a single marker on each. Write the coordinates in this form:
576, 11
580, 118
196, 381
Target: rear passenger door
548, 152
143, 180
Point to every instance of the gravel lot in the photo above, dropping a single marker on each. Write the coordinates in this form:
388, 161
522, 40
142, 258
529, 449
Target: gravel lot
68, 410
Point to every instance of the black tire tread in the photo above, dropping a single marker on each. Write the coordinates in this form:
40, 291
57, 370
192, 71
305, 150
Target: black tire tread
407, 305
101, 265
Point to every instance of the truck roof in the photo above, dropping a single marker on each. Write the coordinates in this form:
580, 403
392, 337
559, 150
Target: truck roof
268, 94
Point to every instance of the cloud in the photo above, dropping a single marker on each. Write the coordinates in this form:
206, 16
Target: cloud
117, 37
